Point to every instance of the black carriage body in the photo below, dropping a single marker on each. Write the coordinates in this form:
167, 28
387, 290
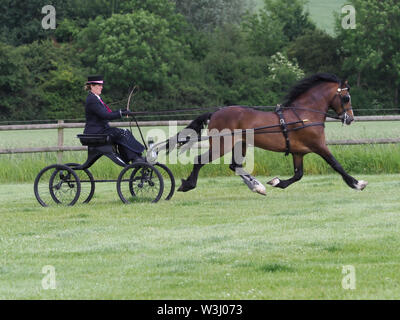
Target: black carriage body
142, 178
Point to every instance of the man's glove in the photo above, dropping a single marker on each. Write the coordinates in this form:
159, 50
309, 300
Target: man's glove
124, 112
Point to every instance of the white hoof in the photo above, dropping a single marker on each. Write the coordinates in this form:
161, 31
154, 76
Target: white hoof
361, 185
259, 188
274, 182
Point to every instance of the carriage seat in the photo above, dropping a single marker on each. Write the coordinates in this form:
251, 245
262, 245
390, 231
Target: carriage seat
94, 140
99, 145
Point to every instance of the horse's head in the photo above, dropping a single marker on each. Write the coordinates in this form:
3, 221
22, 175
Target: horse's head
341, 103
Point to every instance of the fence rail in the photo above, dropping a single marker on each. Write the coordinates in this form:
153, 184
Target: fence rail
61, 125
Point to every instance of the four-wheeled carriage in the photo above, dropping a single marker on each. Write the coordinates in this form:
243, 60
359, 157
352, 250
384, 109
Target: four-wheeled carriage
138, 182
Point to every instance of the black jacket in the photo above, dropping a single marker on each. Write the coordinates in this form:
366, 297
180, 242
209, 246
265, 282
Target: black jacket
97, 115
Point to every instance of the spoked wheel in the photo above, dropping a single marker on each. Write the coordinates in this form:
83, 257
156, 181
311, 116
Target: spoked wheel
87, 182
169, 180
140, 182
57, 185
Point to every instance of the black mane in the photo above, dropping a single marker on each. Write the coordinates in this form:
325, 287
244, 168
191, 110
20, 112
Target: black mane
308, 83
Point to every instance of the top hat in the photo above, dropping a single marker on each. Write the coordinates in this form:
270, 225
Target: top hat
95, 80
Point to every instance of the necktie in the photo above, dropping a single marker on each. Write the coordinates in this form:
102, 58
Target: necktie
108, 109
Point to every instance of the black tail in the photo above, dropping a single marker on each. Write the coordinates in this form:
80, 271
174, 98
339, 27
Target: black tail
182, 138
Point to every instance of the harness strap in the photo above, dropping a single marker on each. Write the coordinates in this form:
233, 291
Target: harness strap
284, 128
314, 124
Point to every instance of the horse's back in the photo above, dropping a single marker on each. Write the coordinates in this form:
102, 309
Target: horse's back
239, 117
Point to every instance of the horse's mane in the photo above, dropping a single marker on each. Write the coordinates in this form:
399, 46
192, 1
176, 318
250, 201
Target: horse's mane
308, 83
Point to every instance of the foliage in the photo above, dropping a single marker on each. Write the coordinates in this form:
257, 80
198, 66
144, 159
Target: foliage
206, 15
40, 75
371, 50
316, 51
291, 14
282, 74
13, 79
264, 33
185, 54
66, 103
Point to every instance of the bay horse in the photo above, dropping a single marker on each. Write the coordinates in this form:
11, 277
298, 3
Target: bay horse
296, 127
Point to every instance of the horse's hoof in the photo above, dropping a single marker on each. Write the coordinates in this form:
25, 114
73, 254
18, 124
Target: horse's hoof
185, 186
274, 182
361, 185
259, 188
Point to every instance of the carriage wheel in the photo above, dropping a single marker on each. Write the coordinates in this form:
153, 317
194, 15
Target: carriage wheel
87, 182
140, 182
57, 184
169, 180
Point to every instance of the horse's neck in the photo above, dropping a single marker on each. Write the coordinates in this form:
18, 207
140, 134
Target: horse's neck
316, 99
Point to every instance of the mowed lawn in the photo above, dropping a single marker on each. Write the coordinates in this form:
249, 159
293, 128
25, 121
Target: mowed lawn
321, 12
220, 241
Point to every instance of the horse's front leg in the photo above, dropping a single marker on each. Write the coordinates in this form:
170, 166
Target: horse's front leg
298, 173
330, 159
238, 156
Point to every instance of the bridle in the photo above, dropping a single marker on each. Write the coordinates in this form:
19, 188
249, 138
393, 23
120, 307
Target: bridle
344, 99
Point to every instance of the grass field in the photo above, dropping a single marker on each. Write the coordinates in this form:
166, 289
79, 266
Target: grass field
321, 12
220, 241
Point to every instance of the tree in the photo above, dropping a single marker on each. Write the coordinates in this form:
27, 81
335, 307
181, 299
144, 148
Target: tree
296, 21
233, 73
316, 51
133, 48
21, 20
282, 74
371, 50
206, 15
13, 78
40, 81
264, 33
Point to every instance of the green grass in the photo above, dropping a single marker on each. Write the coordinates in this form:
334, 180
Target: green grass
220, 241
321, 12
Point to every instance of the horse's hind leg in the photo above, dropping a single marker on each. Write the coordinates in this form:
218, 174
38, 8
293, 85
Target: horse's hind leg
191, 181
350, 181
298, 173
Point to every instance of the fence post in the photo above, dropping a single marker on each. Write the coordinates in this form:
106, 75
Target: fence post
60, 141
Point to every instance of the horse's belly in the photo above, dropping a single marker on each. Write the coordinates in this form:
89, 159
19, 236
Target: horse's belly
270, 141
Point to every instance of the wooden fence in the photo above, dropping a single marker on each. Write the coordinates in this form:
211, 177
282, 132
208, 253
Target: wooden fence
60, 126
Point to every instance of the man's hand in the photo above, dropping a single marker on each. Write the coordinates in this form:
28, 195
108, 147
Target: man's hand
124, 112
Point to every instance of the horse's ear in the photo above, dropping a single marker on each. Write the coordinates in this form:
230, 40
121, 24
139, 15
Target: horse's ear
346, 84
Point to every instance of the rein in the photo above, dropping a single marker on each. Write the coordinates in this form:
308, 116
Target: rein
344, 99
256, 131
283, 126
315, 111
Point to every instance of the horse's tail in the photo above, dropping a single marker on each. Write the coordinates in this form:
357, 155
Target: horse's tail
187, 135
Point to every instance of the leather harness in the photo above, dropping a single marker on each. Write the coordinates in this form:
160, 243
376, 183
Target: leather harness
284, 127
